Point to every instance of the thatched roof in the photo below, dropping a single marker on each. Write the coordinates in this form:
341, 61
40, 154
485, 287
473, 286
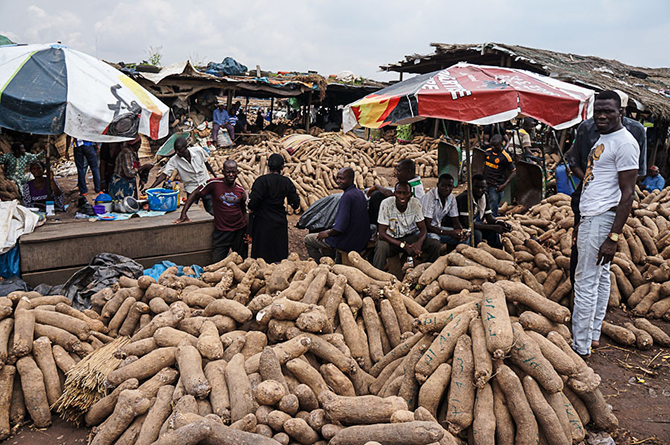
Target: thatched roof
649, 87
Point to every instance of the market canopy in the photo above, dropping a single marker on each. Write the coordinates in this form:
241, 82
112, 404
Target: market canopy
474, 94
52, 89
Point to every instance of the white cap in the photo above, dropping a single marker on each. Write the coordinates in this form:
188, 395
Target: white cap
624, 98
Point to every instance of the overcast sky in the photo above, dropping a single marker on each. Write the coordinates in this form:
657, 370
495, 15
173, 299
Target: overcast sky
331, 36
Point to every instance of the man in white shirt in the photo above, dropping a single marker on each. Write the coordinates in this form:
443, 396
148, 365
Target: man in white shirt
402, 228
440, 208
606, 203
405, 171
192, 166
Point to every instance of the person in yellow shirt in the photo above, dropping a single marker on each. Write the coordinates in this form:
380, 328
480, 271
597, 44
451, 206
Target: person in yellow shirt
520, 141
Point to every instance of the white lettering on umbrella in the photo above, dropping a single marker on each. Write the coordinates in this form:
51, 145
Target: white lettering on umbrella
446, 81
519, 82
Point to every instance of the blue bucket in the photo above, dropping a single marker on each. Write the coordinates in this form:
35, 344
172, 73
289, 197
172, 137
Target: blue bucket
162, 200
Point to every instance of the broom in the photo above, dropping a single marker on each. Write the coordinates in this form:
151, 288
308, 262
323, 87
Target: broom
84, 383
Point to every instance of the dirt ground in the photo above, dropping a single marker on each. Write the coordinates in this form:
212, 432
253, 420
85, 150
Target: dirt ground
636, 383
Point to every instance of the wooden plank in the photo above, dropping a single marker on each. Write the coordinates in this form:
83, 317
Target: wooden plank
74, 244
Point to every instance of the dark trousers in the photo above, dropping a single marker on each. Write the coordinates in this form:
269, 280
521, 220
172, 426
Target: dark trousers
223, 242
430, 250
86, 152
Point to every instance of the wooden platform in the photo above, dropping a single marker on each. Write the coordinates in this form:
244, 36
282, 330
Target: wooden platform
57, 249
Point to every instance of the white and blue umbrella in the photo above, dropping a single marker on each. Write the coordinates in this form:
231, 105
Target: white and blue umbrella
52, 89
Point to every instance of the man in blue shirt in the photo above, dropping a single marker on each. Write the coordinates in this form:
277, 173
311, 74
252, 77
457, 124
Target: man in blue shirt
221, 118
351, 231
654, 181
88, 151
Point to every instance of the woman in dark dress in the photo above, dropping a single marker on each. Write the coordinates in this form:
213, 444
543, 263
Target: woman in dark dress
269, 226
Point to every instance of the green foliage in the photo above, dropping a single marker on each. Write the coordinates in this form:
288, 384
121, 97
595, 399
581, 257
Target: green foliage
155, 56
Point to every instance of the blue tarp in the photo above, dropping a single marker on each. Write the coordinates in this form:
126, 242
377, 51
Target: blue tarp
229, 67
158, 268
10, 264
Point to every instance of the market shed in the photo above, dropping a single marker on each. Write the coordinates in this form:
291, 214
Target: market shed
648, 88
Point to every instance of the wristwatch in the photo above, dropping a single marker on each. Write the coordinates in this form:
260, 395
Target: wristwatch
613, 236
402, 244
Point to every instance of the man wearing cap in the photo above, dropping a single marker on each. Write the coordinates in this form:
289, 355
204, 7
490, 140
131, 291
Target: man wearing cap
221, 118
654, 181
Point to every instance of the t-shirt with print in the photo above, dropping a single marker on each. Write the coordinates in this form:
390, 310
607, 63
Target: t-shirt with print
612, 153
496, 166
433, 208
399, 223
228, 203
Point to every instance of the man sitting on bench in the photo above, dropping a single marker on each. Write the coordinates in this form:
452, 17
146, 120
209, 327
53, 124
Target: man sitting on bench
487, 228
402, 229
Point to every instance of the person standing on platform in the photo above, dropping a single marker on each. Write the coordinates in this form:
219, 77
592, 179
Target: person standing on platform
499, 170
351, 231
192, 166
88, 151
230, 212
606, 203
269, 226
654, 181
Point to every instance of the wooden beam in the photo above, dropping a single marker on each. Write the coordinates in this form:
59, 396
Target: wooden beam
309, 110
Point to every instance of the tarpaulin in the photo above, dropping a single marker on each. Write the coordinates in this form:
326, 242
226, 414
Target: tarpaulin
103, 271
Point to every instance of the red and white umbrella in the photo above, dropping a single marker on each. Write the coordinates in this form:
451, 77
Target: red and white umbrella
474, 94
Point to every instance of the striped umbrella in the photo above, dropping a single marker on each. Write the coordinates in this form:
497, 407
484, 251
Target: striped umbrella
52, 89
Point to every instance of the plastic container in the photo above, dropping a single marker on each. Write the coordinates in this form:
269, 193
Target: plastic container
105, 200
50, 208
100, 209
163, 200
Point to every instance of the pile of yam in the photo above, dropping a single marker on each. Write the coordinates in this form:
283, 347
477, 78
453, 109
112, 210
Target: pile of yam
300, 352
541, 243
313, 166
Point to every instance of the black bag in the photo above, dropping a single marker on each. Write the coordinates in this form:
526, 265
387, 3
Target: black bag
320, 215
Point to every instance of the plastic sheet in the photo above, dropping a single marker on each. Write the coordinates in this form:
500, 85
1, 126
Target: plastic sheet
103, 271
157, 269
320, 215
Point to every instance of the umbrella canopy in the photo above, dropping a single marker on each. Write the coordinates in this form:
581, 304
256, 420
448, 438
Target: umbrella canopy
474, 94
52, 89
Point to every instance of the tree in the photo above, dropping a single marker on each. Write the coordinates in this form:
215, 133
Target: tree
155, 56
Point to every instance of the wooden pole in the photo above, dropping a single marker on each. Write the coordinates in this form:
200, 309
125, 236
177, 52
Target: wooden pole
471, 216
272, 107
309, 110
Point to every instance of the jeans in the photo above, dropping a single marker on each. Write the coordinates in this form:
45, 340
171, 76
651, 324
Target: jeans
494, 200
318, 248
444, 239
592, 282
86, 152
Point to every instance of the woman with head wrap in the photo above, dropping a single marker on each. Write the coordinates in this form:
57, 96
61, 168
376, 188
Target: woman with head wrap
269, 226
126, 170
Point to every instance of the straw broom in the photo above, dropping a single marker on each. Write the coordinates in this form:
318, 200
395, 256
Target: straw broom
84, 383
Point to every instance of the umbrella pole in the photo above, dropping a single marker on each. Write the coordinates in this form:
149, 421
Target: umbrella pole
469, 183
565, 162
